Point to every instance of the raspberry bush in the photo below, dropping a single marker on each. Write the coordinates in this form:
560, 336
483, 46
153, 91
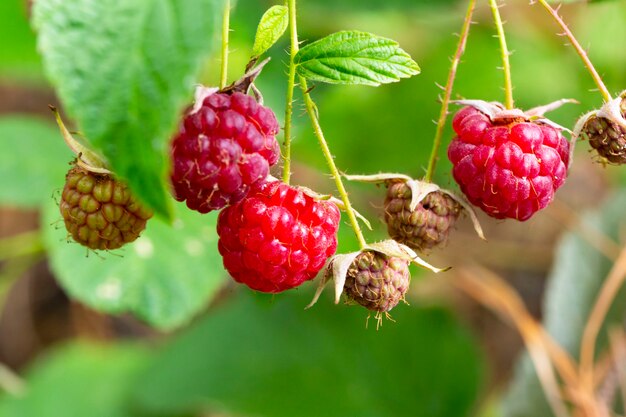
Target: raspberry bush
220, 214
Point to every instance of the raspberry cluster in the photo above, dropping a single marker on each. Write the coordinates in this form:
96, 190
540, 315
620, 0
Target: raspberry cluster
277, 237
509, 168
99, 211
222, 149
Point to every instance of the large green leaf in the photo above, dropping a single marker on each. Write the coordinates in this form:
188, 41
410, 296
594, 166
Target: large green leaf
33, 161
78, 381
123, 70
352, 57
164, 277
577, 275
267, 356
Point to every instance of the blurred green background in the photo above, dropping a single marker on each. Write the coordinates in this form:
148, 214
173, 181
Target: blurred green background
160, 330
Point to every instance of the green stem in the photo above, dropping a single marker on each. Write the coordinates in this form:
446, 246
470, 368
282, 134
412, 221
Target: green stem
441, 123
579, 50
506, 66
225, 34
293, 50
317, 129
28, 243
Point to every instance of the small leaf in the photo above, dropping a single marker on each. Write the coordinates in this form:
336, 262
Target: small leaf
165, 277
80, 380
124, 70
271, 27
33, 160
352, 57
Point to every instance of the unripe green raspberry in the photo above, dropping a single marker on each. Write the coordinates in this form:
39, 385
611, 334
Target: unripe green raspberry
99, 211
425, 227
376, 281
607, 137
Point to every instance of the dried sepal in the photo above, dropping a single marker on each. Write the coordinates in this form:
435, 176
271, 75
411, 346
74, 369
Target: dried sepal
337, 266
242, 85
497, 112
419, 191
85, 157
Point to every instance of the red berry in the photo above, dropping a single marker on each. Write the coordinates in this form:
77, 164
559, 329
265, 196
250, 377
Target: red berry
510, 169
277, 237
99, 211
221, 150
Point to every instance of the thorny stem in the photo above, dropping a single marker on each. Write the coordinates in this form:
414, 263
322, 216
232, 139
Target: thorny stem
312, 111
579, 50
608, 292
293, 50
225, 34
506, 66
445, 101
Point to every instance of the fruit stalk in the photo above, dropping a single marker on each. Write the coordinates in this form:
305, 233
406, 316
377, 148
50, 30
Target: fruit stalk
225, 34
504, 50
445, 101
606, 95
291, 80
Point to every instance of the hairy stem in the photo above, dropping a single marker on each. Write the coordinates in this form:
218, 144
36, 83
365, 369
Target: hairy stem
312, 111
579, 50
445, 101
504, 51
291, 80
225, 34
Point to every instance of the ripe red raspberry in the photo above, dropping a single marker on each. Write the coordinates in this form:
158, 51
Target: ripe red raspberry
425, 227
222, 149
99, 211
510, 167
376, 281
277, 237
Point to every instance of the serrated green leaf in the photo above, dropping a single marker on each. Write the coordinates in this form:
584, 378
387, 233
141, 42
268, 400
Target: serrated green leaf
33, 161
123, 70
266, 356
578, 273
164, 277
80, 380
352, 57
273, 24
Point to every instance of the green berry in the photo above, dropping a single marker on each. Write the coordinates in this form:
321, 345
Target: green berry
99, 211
